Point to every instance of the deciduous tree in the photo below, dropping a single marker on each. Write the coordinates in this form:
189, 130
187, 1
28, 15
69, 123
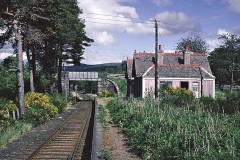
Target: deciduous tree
196, 44
225, 60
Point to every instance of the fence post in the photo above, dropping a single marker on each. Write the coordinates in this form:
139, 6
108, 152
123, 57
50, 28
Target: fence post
17, 113
13, 113
8, 114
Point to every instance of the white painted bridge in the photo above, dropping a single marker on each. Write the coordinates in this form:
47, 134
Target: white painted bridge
84, 76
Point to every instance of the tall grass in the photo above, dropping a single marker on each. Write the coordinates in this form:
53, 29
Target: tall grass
102, 116
14, 132
158, 130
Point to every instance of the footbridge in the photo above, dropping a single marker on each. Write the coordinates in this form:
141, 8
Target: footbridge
100, 77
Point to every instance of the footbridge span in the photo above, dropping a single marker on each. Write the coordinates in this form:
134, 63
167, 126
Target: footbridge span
103, 83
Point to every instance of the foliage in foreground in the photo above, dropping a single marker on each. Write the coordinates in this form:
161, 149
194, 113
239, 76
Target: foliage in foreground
106, 93
39, 109
105, 154
177, 96
6, 106
102, 116
158, 130
14, 131
59, 101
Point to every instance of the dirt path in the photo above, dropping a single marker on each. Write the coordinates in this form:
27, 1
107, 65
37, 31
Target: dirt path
114, 141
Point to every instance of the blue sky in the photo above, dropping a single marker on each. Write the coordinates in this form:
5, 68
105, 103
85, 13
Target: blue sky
121, 26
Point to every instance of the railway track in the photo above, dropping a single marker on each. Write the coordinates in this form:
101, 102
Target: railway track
68, 140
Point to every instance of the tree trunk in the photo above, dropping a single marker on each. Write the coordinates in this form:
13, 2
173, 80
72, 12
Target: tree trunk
60, 74
29, 57
20, 80
232, 76
34, 65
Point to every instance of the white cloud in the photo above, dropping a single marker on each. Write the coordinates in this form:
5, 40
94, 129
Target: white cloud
5, 55
222, 31
129, 1
104, 17
234, 5
107, 7
104, 38
7, 50
146, 27
92, 56
162, 2
213, 43
176, 22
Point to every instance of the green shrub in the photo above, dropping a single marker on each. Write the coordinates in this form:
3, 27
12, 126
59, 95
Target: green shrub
231, 104
227, 104
105, 154
102, 116
6, 107
106, 94
156, 130
71, 99
58, 101
14, 131
210, 104
177, 96
39, 109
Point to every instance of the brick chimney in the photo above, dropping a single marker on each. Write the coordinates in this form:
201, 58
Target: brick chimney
160, 55
186, 54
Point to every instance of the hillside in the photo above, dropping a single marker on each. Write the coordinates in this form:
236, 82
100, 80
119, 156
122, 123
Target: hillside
96, 67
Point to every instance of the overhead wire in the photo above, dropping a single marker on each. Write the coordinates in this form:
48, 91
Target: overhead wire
134, 21
116, 16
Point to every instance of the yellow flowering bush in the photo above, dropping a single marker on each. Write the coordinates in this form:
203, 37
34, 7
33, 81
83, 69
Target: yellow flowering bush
177, 96
36, 99
39, 109
5, 110
106, 93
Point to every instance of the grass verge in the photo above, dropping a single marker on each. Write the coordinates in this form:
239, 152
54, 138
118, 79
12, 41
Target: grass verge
14, 132
106, 155
102, 116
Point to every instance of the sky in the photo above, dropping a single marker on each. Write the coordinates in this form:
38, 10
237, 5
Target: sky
119, 27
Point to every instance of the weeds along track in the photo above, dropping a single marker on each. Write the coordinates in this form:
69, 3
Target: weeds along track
68, 140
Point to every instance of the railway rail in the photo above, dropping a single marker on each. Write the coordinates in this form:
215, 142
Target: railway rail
68, 140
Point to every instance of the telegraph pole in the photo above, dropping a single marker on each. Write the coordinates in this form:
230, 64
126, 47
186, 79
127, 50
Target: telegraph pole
156, 59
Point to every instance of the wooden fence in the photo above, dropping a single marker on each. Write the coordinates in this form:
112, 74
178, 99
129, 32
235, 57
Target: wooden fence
14, 114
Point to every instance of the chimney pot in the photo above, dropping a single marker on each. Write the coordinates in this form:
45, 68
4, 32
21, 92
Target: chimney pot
159, 47
186, 55
186, 47
160, 55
